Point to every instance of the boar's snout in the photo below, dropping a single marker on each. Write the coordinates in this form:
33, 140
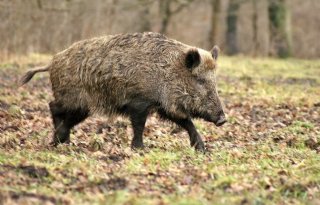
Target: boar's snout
221, 119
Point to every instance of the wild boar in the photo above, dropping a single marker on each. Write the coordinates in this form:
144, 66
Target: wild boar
133, 75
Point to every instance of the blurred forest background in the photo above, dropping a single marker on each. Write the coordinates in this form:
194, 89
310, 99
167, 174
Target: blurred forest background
280, 28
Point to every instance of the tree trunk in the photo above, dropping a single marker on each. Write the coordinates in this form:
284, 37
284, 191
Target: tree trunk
144, 16
165, 14
255, 28
231, 35
279, 26
215, 15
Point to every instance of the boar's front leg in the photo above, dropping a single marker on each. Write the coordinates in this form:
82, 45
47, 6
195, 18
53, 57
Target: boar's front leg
195, 139
187, 124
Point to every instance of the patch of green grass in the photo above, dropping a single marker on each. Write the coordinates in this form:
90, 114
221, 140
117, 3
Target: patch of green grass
151, 161
274, 79
267, 67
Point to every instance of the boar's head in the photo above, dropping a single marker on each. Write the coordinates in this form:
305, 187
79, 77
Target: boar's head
206, 103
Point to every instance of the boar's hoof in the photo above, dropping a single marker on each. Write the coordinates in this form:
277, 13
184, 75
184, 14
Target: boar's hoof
137, 145
55, 142
199, 147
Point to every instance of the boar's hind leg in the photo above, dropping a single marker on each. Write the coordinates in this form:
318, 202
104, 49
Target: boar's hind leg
187, 124
64, 120
138, 112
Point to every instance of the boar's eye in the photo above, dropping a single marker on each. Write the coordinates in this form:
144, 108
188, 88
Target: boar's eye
201, 81
192, 58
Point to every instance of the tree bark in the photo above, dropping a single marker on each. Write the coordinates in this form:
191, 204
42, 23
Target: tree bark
255, 28
231, 35
279, 26
214, 21
144, 15
165, 14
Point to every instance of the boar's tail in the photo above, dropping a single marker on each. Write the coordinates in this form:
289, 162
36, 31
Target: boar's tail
28, 76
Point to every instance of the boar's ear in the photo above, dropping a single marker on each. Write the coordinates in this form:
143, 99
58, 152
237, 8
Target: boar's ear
192, 58
215, 52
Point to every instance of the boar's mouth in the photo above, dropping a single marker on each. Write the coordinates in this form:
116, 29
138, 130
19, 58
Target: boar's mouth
220, 121
217, 120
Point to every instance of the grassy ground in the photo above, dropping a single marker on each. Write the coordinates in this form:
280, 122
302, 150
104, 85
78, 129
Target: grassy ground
268, 152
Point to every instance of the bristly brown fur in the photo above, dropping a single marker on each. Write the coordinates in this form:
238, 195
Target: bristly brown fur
131, 74
107, 72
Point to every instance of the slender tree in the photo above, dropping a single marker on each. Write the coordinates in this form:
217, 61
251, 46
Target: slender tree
144, 16
279, 26
231, 33
167, 11
255, 28
214, 22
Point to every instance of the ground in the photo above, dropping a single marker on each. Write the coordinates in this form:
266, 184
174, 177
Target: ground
268, 152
